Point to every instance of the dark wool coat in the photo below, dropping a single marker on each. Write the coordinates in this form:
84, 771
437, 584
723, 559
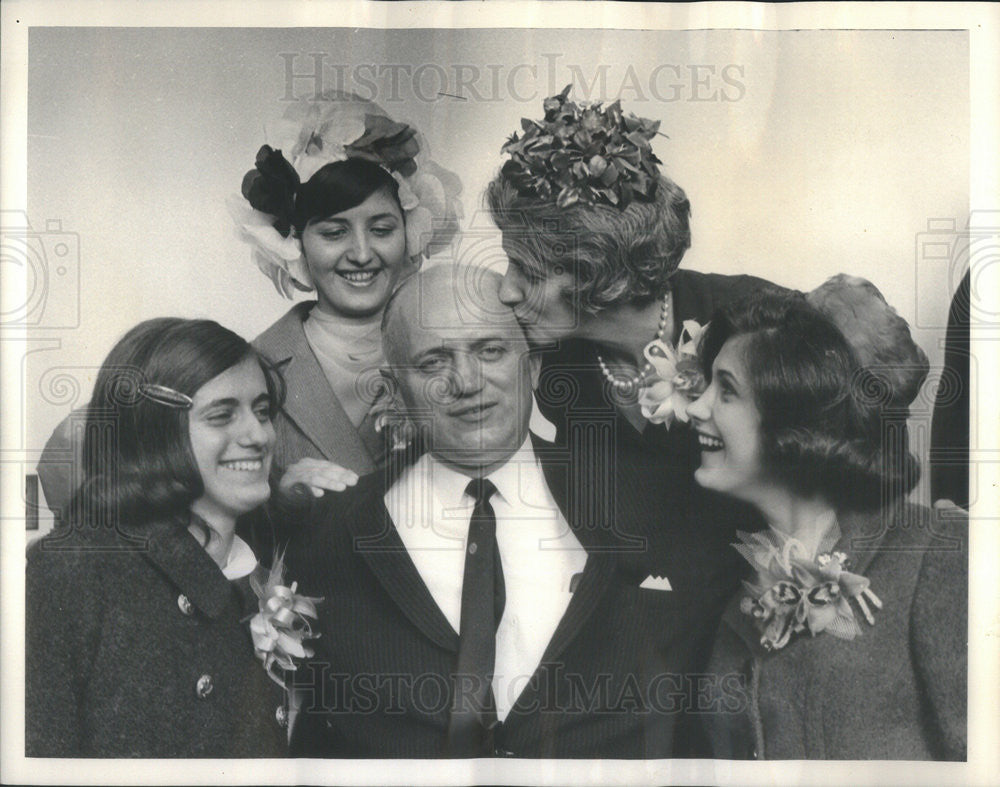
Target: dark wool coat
136, 648
897, 692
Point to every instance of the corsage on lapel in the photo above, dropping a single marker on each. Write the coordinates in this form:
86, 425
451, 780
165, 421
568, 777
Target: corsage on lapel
797, 592
282, 624
676, 380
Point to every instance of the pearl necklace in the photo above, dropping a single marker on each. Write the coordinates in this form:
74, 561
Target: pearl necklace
626, 385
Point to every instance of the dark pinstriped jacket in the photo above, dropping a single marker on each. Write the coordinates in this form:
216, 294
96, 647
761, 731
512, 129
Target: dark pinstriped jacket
617, 679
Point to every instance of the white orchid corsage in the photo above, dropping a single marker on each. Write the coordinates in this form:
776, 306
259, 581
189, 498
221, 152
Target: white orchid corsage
676, 379
798, 592
280, 627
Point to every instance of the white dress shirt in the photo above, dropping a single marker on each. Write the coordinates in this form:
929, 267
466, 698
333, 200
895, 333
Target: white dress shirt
241, 561
540, 554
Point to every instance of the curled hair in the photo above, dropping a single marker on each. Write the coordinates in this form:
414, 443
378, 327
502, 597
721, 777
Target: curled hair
340, 186
138, 464
616, 256
824, 429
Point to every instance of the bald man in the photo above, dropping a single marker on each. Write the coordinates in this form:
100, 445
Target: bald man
462, 617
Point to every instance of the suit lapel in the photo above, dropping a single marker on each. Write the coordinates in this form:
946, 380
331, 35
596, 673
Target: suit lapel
376, 540
595, 582
600, 567
309, 401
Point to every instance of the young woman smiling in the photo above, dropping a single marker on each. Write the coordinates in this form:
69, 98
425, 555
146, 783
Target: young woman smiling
849, 639
345, 204
136, 637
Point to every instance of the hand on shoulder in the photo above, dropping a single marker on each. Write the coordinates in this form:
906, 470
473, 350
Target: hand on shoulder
315, 477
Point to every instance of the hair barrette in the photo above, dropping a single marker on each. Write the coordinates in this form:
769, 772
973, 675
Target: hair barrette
168, 397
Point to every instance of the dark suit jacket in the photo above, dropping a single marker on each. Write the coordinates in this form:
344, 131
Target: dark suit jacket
114, 662
949, 459
897, 692
642, 499
615, 681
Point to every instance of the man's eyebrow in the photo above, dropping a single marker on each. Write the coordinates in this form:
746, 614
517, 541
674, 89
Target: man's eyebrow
487, 340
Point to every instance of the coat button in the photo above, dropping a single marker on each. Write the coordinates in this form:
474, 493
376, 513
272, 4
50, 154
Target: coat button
204, 686
184, 604
281, 716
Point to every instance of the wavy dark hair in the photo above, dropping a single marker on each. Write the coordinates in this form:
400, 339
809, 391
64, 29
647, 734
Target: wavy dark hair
138, 465
340, 186
826, 423
616, 256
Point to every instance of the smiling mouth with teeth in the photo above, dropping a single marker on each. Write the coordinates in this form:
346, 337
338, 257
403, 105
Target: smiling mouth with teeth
359, 277
709, 443
243, 465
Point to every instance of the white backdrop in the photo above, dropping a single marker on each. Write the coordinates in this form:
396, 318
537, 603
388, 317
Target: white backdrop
839, 148
804, 153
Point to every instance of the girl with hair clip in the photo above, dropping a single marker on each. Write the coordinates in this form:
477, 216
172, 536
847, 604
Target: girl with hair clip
141, 633
344, 202
848, 641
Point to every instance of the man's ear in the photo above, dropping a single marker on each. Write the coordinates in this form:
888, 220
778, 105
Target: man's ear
391, 394
391, 383
389, 413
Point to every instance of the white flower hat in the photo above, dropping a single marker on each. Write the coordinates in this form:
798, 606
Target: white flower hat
337, 126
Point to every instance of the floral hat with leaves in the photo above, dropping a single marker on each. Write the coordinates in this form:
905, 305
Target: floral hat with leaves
584, 152
337, 126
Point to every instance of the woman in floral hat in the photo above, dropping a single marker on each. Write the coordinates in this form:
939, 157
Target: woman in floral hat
594, 232
848, 641
148, 620
343, 203
346, 204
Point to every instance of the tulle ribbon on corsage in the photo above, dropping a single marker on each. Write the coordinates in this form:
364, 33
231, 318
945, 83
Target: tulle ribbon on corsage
796, 592
333, 127
676, 380
282, 624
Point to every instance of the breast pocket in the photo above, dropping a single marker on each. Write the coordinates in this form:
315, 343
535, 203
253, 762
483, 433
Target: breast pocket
666, 600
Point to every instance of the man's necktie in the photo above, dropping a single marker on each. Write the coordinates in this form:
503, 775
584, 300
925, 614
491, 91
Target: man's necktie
473, 712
